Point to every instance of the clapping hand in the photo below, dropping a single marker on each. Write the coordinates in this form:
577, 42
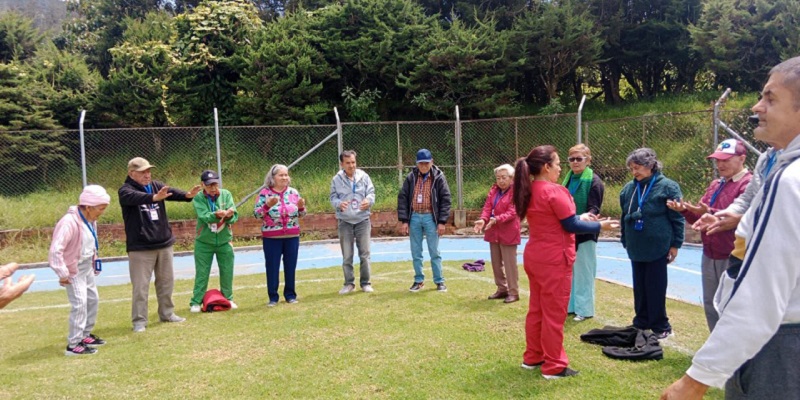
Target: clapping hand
364, 205
343, 206
301, 203
478, 226
272, 201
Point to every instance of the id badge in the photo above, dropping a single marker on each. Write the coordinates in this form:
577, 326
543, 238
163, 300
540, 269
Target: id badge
419, 198
638, 225
153, 214
213, 227
354, 204
98, 265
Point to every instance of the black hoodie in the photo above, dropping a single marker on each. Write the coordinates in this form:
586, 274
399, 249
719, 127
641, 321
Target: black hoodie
141, 232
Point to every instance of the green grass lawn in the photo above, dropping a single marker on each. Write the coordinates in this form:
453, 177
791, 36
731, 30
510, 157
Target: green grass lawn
390, 344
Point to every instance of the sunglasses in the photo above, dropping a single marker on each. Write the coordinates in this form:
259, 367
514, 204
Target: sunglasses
576, 159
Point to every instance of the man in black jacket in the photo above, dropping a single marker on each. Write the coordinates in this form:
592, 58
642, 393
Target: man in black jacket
423, 206
149, 240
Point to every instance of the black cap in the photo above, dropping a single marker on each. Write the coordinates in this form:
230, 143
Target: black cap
208, 177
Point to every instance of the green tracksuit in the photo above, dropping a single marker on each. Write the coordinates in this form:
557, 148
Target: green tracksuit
208, 243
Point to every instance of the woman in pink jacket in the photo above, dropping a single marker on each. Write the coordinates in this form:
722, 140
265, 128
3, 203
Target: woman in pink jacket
73, 257
500, 225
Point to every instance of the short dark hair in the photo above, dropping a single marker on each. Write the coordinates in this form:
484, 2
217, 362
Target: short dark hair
346, 153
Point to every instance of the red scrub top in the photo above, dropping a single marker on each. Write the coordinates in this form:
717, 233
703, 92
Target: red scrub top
548, 242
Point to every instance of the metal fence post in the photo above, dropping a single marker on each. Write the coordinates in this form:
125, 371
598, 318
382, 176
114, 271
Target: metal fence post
339, 134
580, 118
717, 105
460, 214
83, 147
219, 157
516, 139
399, 156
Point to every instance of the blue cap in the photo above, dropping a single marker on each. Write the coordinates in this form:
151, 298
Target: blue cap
424, 155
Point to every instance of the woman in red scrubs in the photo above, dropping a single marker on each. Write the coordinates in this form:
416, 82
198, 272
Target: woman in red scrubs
548, 256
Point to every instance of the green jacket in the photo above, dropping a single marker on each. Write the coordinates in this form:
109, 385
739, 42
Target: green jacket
205, 216
663, 228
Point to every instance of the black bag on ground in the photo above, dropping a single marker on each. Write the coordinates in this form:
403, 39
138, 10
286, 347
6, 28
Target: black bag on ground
611, 336
646, 347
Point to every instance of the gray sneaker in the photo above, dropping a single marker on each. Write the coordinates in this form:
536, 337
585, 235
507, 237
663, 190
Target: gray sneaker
174, 318
347, 288
367, 288
139, 328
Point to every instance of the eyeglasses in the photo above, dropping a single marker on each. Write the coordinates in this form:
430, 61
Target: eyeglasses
576, 159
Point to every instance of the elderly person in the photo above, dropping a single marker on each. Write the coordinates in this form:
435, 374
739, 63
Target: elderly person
734, 177
652, 235
587, 190
216, 213
280, 207
73, 257
149, 240
352, 195
548, 257
500, 224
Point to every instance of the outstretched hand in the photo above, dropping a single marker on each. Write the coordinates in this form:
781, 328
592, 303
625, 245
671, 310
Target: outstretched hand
195, 190
10, 291
162, 194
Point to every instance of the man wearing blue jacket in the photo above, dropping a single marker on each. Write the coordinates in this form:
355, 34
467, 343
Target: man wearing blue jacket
423, 207
352, 196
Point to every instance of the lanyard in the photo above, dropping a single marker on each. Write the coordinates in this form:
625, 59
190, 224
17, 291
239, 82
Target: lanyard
497, 198
716, 192
422, 184
88, 225
149, 190
643, 196
770, 163
211, 203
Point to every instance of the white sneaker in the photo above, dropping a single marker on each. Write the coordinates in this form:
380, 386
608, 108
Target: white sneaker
367, 288
233, 305
195, 308
347, 288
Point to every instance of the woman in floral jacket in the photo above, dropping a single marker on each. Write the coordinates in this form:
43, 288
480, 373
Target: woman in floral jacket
280, 207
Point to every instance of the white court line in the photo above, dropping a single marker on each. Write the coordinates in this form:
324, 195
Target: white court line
675, 267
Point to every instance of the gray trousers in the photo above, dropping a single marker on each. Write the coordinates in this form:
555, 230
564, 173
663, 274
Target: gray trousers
712, 271
358, 234
83, 297
143, 265
772, 373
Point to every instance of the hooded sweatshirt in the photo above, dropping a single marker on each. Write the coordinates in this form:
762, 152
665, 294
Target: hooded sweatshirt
766, 293
343, 189
67, 244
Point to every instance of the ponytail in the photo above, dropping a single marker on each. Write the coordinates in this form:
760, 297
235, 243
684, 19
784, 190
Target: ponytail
522, 187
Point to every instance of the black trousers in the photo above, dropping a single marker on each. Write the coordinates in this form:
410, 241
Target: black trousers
650, 295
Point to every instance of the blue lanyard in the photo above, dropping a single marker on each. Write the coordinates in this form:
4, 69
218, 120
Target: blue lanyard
211, 203
88, 225
643, 197
716, 192
148, 189
770, 163
497, 198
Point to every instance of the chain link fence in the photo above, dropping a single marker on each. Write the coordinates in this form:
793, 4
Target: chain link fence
46, 174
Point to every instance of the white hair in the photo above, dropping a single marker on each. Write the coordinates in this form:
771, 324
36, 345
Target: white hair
269, 180
505, 167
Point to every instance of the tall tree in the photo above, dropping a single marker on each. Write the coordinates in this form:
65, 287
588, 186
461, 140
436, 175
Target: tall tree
18, 37
555, 39
463, 66
211, 42
283, 77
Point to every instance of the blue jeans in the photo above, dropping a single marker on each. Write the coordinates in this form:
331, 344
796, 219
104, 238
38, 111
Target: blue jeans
419, 225
274, 250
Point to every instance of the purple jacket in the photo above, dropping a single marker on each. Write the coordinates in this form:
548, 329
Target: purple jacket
719, 245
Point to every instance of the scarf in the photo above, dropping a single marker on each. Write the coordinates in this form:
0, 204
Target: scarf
581, 193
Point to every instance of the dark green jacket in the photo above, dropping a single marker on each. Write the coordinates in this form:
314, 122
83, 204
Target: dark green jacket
205, 216
663, 228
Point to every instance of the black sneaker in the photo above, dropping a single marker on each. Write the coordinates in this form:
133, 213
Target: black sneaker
441, 287
416, 286
566, 372
664, 335
79, 350
93, 340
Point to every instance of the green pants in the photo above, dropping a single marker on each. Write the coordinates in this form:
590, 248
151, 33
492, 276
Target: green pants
203, 255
